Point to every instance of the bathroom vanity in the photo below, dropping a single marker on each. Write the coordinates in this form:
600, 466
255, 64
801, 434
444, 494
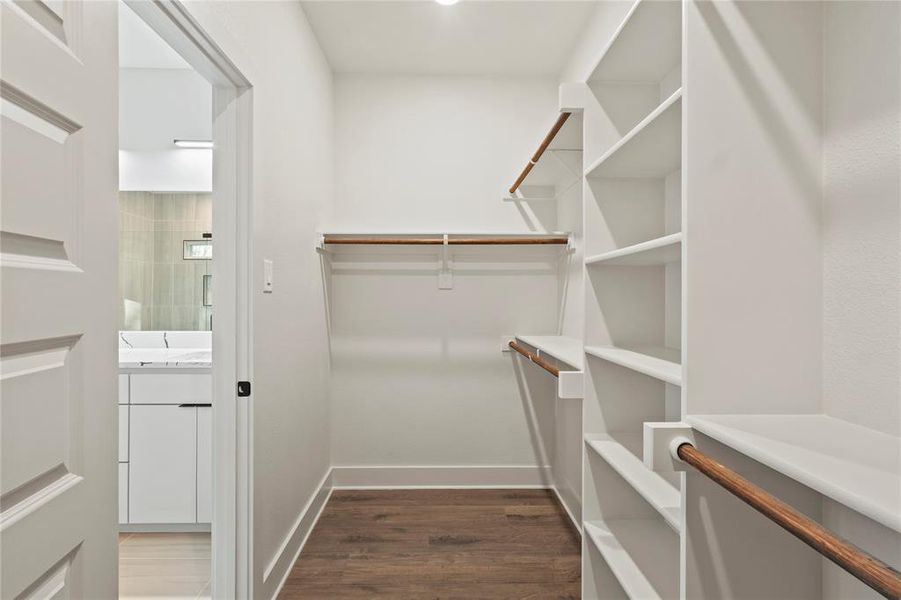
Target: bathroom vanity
165, 430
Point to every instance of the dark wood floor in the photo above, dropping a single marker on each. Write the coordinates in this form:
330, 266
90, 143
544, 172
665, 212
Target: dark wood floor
461, 544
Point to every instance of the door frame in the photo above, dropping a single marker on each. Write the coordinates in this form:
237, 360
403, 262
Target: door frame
232, 525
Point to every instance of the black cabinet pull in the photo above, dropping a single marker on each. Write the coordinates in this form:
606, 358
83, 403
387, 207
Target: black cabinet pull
194, 405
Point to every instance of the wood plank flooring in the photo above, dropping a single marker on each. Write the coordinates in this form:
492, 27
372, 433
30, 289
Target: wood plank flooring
440, 544
164, 565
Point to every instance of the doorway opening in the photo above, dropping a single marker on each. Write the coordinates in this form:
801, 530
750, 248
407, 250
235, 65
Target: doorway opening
184, 173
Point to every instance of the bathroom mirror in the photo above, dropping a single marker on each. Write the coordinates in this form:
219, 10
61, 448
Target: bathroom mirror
165, 261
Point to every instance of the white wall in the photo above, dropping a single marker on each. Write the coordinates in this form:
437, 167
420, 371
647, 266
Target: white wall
861, 247
419, 377
862, 214
272, 44
157, 106
436, 153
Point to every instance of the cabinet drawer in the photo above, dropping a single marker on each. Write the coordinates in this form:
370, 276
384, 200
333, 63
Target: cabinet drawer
190, 388
123, 389
123, 434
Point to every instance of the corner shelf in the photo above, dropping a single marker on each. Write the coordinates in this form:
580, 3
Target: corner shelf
662, 495
660, 251
645, 47
565, 349
652, 149
853, 465
658, 362
641, 553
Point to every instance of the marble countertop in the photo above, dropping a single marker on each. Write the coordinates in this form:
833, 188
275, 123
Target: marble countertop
165, 358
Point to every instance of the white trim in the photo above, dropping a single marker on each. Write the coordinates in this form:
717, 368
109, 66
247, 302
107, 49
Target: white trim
576, 523
470, 476
303, 527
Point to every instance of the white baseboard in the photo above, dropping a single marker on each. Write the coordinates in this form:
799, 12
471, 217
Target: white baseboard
569, 511
297, 538
366, 477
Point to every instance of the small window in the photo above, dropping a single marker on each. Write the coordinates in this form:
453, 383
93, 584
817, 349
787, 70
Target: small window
198, 249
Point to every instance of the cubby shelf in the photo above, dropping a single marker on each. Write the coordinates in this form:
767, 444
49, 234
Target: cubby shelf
658, 362
643, 555
620, 453
646, 46
851, 464
562, 348
653, 149
660, 251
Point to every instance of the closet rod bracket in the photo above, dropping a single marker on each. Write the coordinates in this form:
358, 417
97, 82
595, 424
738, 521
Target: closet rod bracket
445, 269
660, 441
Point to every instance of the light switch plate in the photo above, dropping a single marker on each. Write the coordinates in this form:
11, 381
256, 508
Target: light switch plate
267, 276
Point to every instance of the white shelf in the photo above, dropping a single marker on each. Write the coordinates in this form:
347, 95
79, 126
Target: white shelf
646, 46
660, 251
565, 349
620, 453
642, 554
660, 363
653, 149
853, 465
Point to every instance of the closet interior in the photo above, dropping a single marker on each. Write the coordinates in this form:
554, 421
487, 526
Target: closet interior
703, 229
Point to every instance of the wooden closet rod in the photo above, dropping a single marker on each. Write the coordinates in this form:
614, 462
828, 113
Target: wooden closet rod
536, 359
544, 144
870, 570
439, 240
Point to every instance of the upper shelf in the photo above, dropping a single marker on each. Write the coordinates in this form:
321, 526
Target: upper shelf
660, 363
851, 464
660, 251
646, 47
556, 162
562, 348
652, 149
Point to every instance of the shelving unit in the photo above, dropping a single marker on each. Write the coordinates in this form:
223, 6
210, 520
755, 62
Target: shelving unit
652, 149
622, 452
659, 362
638, 555
657, 252
633, 306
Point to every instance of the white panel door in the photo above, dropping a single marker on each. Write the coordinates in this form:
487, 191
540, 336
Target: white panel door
58, 257
162, 467
204, 465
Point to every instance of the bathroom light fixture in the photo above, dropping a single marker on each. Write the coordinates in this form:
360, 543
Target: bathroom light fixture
446, 2
193, 143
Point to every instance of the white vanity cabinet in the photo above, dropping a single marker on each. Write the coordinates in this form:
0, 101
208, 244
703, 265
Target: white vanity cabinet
162, 473
165, 448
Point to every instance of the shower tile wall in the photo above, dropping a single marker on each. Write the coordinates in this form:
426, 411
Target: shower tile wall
160, 290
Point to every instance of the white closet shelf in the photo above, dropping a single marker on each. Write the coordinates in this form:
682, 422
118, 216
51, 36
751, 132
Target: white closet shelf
642, 554
660, 251
653, 149
658, 362
562, 348
853, 465
646, 46
621, 451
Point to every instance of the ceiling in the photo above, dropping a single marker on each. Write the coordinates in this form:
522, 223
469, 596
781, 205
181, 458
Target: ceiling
141, 48
473, 37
